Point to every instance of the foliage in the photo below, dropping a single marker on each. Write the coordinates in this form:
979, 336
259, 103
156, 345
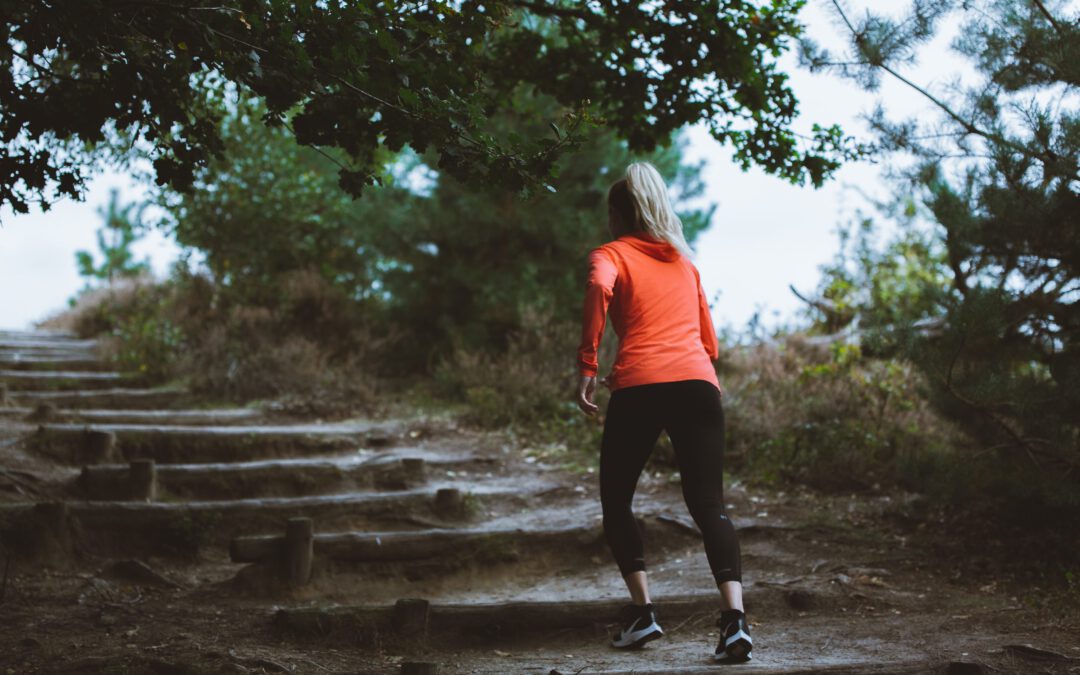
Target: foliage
451, 263
118, 260
876, 285
310, 350
828, 417
368, 76
267, 207
999, 175
526, 383
528, 389
468, 261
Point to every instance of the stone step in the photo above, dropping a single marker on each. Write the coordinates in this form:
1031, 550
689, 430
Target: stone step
80, 444
211, 417
39, 343
55, 380
19, 361
122, 397
161, 528
38, 334
478, 622
275, 478
364, 547
867, 665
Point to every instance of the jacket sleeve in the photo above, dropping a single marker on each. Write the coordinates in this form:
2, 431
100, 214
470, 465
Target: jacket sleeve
599, 287
708, 332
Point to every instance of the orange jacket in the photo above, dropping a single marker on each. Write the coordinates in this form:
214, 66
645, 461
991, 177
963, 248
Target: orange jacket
658, 309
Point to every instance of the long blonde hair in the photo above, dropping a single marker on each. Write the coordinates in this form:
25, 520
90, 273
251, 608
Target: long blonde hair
652, 206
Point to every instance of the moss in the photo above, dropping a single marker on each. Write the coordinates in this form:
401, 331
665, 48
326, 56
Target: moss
188, 532
495, 549
471, 504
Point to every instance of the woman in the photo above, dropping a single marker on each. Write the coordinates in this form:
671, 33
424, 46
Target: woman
663, 378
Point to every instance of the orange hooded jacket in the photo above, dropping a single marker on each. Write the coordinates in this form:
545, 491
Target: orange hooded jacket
658, 309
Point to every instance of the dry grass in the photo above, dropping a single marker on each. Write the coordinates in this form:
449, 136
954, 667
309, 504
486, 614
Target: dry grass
312, 352
829, 418
86, 313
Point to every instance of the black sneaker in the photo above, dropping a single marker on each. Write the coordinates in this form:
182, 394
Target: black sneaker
735, 642
637, 626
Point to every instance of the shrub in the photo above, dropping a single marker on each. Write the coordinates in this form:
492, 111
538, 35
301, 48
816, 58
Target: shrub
828, 417
531, 387
313, 350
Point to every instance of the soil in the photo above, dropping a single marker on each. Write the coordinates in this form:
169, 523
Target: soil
874, 582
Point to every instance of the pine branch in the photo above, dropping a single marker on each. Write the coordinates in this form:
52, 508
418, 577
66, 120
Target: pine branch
1048, 158
946, 381
1049, 17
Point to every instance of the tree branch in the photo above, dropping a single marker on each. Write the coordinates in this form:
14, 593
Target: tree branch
1001, 423
554, 10
969, 127
1049, 16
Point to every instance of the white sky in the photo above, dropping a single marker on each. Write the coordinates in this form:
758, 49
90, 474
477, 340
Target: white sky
766, 234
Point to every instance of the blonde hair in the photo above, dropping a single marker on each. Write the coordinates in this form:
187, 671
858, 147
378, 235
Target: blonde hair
653, 207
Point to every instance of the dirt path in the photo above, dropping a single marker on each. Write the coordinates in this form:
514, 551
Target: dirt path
513, 583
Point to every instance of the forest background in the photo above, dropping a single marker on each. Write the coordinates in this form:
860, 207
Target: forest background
319, 277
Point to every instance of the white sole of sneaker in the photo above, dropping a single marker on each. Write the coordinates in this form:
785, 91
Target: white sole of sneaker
740, 635
638, 637
736, 647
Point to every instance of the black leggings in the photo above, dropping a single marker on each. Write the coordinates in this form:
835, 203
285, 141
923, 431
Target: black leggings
693, 415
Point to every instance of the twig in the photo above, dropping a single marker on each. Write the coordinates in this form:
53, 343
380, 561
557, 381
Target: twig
828, 309
317, 665
692, 617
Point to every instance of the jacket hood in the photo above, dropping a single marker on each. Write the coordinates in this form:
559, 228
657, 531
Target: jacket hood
657, 248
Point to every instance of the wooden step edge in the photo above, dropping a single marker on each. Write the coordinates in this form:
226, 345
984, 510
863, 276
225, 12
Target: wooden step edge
411, 545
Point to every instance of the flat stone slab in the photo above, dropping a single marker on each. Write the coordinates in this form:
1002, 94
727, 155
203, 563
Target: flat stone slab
422, 544
199, 444
37, 334
486, 621
137, 528
266, 478
20, 361
117, 397
211, 417
52, 380
11, 342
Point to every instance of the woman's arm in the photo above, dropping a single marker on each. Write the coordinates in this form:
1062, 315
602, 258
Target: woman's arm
599, 286
708, 332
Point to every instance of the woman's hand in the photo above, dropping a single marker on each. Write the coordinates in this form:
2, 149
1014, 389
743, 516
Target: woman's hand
586, 389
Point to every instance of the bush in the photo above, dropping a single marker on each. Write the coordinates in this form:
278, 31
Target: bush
313, 350
530, 387
829, 418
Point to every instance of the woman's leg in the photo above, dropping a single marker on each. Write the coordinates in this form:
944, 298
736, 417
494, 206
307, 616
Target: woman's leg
631, 426
696, 427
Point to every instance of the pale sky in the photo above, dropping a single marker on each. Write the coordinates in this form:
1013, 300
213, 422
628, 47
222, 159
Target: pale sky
766, 234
